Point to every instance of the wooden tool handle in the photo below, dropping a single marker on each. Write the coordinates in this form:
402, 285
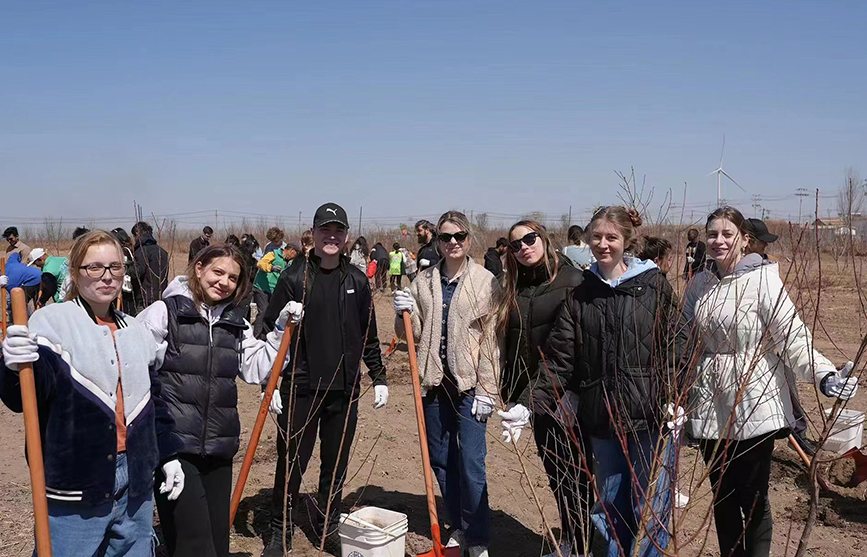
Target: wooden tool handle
422, 436
31, 435
3, 298
276, 370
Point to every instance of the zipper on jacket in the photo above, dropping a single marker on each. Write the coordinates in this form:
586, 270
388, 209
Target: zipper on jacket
208, 375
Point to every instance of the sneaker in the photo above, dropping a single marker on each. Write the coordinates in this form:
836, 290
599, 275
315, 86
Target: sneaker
565, 551
456, 539
478, 551
680, 500
806, 445
274, 547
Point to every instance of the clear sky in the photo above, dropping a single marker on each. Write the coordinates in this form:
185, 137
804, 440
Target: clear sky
410, 108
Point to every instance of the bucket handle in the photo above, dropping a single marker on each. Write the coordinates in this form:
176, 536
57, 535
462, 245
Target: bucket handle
369, 525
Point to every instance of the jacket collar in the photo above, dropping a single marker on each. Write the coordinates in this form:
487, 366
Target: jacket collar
116, 315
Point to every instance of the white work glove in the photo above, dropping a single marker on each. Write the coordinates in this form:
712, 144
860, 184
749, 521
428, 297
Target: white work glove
380, 396
483, 407
4, 280
403, 302
567, 408
690, 259
835, 384
174, 483
20, 346
676, 417
276, 406
423, 263
515, 419
291, 311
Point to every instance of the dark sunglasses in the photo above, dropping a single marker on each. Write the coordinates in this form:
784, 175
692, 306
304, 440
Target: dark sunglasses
445, 237
528, 240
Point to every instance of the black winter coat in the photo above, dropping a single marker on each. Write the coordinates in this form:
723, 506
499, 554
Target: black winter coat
611, 347
524, 379
428, 252
493, 263
152, 269
198, 378
360, 340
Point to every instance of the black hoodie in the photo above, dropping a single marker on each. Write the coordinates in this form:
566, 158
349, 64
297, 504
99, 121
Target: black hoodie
152, 269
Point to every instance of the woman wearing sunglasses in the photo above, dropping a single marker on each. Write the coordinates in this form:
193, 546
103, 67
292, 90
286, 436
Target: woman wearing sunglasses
537, 282
452, 305
105, 426
609, 347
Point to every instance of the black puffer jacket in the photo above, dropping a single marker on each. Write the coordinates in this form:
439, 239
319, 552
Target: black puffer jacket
360, 340
152, 269
198, 378
610, 346
524, 379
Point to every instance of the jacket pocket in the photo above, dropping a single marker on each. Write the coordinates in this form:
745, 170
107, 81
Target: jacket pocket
639, 398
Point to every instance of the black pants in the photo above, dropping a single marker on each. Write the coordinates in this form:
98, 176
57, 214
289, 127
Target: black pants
197, 523
739, 475
325, 411
261, 299
395, 281
570, 485
381, 273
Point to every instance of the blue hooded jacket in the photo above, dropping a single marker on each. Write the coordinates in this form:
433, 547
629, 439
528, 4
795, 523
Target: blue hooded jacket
21, 275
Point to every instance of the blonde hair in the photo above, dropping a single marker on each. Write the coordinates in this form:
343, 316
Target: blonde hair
79, 252
458, 219
625, 220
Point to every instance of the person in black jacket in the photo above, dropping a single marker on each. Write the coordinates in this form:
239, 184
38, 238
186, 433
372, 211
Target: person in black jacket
428, 254
206, 344
538, 280
201, 242
322, 386
696, 254
380, 255
493, 257
610, 346
151, 265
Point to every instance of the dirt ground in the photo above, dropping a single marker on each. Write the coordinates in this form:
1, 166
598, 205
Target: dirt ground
385, 468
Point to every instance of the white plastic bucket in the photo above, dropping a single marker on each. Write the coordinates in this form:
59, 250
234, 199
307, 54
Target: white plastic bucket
847, 431
376, 533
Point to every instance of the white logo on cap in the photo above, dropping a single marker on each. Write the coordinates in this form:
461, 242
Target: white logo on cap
333, 211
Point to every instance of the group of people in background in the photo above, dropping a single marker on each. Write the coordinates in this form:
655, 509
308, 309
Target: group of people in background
588, 345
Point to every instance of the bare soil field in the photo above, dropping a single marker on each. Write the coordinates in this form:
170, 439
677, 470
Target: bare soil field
385, 468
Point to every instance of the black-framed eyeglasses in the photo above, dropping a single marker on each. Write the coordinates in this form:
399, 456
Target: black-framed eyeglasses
528, 240
445, 237
96, 271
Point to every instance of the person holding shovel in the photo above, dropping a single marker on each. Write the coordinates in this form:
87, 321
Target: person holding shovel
452, 307
320, 391
104, 422
742, 332
538, 280
204, 344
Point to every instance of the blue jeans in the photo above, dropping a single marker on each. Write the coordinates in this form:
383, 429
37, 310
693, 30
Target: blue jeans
456, 442
622, 480
120, 527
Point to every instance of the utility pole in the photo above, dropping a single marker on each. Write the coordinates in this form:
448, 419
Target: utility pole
360, 211
570, 215
216, 219
801, 193
299, 220
756, 203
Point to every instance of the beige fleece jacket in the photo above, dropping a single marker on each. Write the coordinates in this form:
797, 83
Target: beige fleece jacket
473, 350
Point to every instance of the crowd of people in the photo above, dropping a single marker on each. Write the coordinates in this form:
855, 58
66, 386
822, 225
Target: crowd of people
586, 344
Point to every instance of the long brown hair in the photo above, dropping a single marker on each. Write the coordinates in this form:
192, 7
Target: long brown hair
79, 252
551, 261
206, 257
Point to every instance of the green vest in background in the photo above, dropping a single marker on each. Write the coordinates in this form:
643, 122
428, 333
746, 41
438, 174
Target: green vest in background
267, 282
59, 267
395, 259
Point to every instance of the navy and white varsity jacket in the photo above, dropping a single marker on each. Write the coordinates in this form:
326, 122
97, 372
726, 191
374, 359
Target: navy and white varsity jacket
76, 385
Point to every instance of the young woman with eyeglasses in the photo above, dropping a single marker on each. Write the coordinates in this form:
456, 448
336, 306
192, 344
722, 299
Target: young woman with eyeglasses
205, 343
537, 282
104, 422
453, 306
609, 346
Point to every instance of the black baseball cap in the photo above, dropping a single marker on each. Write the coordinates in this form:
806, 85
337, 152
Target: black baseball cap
328, 213
759, 230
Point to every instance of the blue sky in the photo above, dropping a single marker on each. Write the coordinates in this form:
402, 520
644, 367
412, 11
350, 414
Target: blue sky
411, 108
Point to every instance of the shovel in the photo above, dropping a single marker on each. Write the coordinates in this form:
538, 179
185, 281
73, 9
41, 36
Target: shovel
438, 549
276, 370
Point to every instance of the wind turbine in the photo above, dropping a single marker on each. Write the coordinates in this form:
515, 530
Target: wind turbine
720, 173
